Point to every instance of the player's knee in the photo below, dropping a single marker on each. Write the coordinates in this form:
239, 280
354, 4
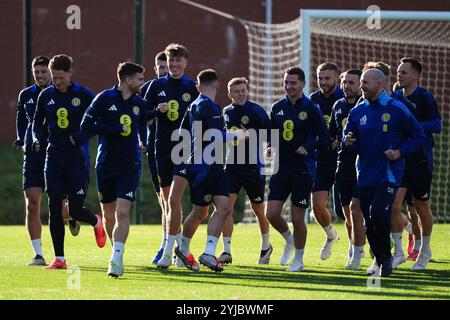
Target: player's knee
396, 208
298, 219
32, 207
122, 213
174, 203
318, 207
109, 216
271, 215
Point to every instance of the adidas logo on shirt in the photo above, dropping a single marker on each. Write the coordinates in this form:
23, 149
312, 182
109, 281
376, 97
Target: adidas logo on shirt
162, 94
81, 192
257, 199
51, 102
183, 171
363, 121
130, 194
30, 101
281, 113
303, 202
112, 108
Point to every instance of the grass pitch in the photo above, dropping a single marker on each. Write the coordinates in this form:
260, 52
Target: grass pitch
244, 279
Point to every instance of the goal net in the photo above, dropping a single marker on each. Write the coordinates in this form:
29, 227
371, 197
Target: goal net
350, 44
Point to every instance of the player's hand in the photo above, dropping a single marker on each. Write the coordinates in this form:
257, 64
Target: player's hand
335, 144
18, 144
241, 134
143, 148
246, 132
392, 154
163, 107
301, 151
269, 153
36, 146
349, 139
72, 140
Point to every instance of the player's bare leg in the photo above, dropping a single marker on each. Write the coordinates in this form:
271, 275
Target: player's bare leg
358, 235
323, 217
120, 235
426, 221
227, 232
264, 227
300, 233
348, 227
397, 225
33, 223
215, 225
416, 229
273, 215
109, 214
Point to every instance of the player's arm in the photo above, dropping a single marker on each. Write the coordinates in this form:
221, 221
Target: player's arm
213, 120
414, 131
153, 108
143, 127
333, 129
38, 123
350, 140
92, 124
21, 123
434, 119
320, 131
264, 122
81, 136
270, 148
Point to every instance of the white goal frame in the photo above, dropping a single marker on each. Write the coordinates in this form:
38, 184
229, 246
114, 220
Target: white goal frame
308, 14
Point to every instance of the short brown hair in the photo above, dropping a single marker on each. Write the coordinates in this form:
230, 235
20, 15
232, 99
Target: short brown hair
296, 70
380, 65
61, 62
160, 56
328, 66
415, 63
236, 81
176, 50
355, 72
207, 76
127, 69
40, 61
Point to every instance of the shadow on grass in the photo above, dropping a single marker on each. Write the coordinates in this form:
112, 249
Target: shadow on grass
428, 284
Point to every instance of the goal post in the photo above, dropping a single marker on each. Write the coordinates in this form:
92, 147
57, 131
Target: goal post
307, 15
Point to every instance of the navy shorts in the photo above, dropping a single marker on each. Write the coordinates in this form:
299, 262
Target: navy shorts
346, 185
325, 177
113, 184
167, 169
417, 178
33, 170
65, 177
206, 184
252, 181
298, 185
151, 159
